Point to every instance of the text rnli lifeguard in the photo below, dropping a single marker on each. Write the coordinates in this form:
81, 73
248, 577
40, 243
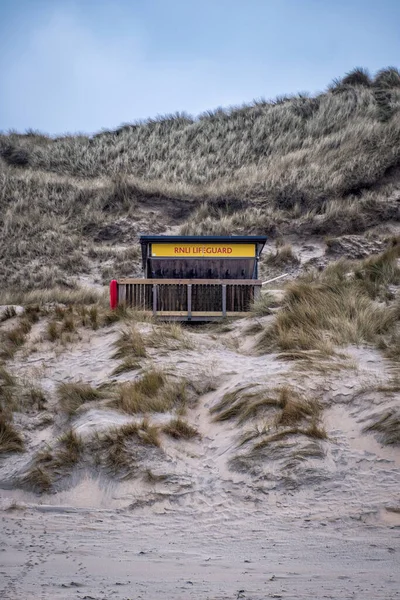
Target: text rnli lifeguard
203, 250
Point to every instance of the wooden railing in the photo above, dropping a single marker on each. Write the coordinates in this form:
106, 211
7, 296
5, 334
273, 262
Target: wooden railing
186, 299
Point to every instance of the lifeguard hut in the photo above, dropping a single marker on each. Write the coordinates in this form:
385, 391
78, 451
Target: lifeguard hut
193, 278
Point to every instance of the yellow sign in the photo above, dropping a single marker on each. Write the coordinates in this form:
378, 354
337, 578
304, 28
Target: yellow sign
203, 250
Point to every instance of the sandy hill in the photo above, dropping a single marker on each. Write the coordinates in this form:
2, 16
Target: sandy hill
315, 165
251, 458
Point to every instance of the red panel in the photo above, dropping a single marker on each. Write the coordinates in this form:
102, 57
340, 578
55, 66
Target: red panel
113, 294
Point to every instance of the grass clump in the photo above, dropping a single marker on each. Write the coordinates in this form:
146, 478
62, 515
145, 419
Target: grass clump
67, 452
37, 397
335, 307
38, 479
130, 344
8, 392
144, 432
294, 407
248, 402
71, 396
282, 257
53, 463
14, 338
122, 450
171, 336
312, 431
387, 426
10, 439
261, 307
180, 429
128, 364
151, 392
53, 331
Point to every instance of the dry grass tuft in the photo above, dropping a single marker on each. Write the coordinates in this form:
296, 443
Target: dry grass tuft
6, 379
282, 257
72, 395
261, 307
144, 432
68, 452
180, 429
335, 307
128, 364
54, 295
295, 408
38, 479
10, 439
37, 398
171, 336
122, 450
8, 393
130, 344
53, 331
12, 339
312, 431
387, 426
151, 392
248, 402
243, 404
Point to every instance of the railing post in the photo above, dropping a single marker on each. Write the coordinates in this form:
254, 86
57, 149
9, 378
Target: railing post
224, 300
154, 299
189, 300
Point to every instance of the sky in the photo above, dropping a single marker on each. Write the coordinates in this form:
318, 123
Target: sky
69, 66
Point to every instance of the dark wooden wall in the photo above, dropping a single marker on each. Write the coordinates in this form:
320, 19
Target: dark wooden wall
200, 268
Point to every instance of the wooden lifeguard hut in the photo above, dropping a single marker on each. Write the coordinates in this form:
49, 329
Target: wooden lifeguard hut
193, 278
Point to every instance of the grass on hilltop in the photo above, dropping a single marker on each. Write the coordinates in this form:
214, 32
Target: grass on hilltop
322, 164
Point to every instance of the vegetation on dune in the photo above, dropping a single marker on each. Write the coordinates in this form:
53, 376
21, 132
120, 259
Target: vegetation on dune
130, 344
282, 257
283, 405
323, 164
262, 305
282, 421
341, 305
123, 450
10, 439
180, 429
151, 392
19, 396
53, 463
386, 426
168, 337
72, 395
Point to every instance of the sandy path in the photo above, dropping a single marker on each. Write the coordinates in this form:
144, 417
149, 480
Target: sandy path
102, 554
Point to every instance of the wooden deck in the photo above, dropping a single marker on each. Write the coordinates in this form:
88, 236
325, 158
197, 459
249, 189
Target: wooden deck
189, 299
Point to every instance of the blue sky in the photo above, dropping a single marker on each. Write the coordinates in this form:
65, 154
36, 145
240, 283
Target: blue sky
84, 65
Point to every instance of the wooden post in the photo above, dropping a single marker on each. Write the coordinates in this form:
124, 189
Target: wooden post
189, 300
154, 299
224, 300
